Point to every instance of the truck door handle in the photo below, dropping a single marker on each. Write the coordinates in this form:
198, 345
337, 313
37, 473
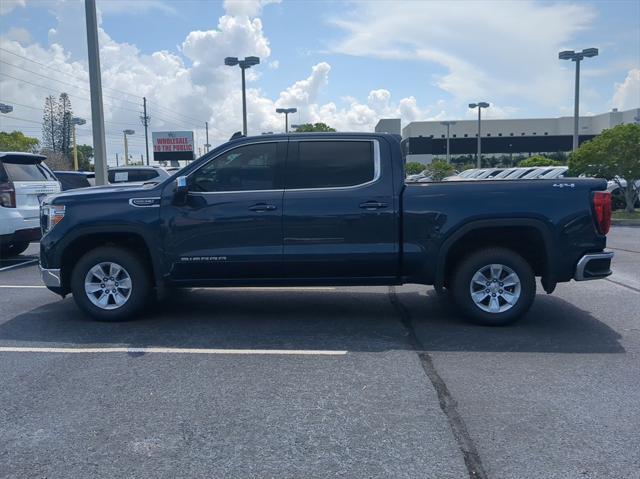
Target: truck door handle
372, 205
262, 207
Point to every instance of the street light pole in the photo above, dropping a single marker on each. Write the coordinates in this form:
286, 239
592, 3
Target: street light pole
577, 57
76, 121
248, 62
286, 112
126, 145
448, 125
480, 105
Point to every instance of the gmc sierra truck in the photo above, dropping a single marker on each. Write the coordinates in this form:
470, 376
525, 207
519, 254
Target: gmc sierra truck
322, 209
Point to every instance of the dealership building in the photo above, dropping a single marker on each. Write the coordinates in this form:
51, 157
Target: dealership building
424, 140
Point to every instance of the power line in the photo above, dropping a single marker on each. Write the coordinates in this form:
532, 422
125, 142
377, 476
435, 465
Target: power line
105, 88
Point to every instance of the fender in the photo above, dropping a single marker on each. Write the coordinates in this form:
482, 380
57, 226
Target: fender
140, 230
548, 278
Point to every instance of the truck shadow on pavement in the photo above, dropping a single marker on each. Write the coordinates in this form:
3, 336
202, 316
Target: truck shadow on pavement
364, 321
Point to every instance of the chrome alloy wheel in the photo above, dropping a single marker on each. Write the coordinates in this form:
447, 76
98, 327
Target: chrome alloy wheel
108, 285
495, 288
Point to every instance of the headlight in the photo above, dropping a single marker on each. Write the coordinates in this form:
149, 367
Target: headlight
50, 215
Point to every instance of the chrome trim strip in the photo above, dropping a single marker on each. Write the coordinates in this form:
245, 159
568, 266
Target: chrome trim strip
376, 165
131, 200
50, 277
584, 261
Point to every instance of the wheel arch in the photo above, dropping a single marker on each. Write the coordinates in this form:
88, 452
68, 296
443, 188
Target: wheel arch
500, 232
88, 239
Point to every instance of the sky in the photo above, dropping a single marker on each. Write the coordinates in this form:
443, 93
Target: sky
345, 63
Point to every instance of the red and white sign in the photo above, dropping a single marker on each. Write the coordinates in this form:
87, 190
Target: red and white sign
172, 141
172, 146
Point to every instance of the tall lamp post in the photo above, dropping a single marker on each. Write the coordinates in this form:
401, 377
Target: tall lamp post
577, 57
126, 145
248, 62
286, 112
448, 124
74, 122
4, 108
480, 105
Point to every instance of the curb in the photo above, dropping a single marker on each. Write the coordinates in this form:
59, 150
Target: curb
623, 222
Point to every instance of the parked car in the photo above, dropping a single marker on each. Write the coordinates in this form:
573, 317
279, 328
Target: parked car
322, 209
134, 174
618, 198
24, 180
71, 180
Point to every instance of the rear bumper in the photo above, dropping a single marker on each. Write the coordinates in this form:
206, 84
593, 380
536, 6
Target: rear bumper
50, 277
594, 266
20, 236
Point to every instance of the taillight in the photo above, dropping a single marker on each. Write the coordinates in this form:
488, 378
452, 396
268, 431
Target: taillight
7, 195
602, 208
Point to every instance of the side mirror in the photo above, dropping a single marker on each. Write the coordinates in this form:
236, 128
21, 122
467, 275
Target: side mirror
180, 194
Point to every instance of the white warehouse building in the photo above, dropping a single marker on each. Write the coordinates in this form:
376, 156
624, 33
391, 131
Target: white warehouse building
422, 140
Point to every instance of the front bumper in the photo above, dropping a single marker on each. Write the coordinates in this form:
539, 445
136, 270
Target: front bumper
594, 266
50, 277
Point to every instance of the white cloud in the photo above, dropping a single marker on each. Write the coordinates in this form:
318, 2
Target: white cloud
247, 8
183, 89
274, 64
7, 6
500, 51
627, 93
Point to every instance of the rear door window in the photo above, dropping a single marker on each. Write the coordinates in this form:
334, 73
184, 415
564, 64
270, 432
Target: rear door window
331, 164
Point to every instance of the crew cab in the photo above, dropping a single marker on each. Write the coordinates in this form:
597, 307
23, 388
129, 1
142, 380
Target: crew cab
323, 209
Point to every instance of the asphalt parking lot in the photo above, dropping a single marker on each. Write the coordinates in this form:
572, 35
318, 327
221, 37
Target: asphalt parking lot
323, 382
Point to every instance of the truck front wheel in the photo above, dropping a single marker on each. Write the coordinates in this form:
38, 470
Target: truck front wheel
494, 287
110, 284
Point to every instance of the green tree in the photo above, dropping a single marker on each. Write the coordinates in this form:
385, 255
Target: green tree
64, 128
16, 141
439, 169
307, 127
614, 155
85, 155
538, 161
413, 168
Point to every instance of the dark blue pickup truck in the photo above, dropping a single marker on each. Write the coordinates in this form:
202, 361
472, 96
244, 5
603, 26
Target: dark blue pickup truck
323, 209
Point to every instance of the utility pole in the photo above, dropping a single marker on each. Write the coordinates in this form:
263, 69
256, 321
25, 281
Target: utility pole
145, 122
117, 164
95, 83
207, 145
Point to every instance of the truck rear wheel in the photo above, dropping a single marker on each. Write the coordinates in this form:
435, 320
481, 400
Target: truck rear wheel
494, 287
110, 284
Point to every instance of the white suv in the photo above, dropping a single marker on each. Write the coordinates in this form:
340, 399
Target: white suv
24, 181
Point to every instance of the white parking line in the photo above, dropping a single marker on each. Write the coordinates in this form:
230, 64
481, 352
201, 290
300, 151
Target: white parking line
19, 264
274, 352
19, 286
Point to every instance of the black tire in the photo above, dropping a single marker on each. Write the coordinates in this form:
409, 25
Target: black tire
139, 274
463, 276
13, 249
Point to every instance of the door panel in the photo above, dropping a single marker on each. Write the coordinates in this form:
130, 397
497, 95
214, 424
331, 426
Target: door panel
343, 231
229, 227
